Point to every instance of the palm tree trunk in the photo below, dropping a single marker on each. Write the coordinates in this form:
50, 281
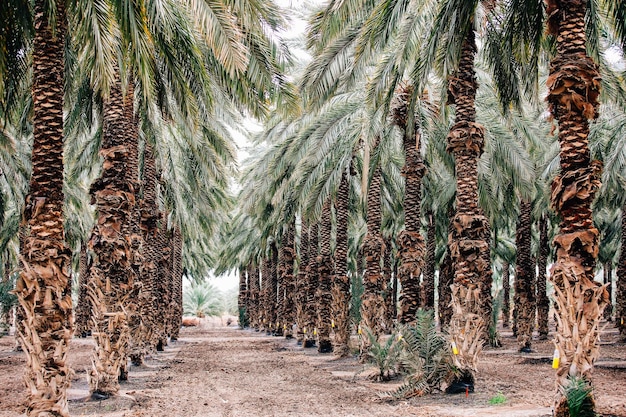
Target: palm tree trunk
469, 241
242, 299
288, 280
301, 283
43, 288
372, 304
573, 90
149, 220
265, 314
446, 279
253, 296
608, 281
114, 285
310, 288
506, 294
163, 285
524, 280
323, 294
341, 281
82, 323
543, 303
620, 290
428, 287
177, 282
389, 291
273, 288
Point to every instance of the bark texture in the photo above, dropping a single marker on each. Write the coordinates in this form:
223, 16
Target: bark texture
372, 302
254, 289
524, 279
114, 284
620, 291
428, 284
82, 321
43, 287
506, 294
288, 279
411, 246
323, 296
301, 282
573, 91
177, 283
469, 240
310, 289
341, 282
543, 303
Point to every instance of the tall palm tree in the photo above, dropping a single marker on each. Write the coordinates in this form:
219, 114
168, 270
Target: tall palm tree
44, 286
410, 241
524, 280
113, 280
543, 303
573, 91
325, 268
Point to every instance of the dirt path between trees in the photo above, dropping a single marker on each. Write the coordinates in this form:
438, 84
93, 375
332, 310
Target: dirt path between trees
225, 372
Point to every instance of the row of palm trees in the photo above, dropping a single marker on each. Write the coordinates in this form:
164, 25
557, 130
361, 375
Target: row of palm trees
131, 109
370, 98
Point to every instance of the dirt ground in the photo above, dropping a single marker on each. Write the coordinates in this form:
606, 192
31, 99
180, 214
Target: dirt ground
218, 370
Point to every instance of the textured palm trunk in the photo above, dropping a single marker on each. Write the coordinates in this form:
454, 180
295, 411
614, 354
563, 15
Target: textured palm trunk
341, 282
114, 284
573, 90
389, 295
524, 280
620, 290
253, 295
301, 283
43, 288
506, 294
149, 215
428, 283
264, 312
82, 322
274, 301
411, 246
372, 302
177, 282
242, 299
163, 283
543, 303
288, 281
310, 288
323, 294
469, 240
446, 279
608, 282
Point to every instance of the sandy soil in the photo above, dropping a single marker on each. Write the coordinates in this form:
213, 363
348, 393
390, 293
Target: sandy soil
216, 370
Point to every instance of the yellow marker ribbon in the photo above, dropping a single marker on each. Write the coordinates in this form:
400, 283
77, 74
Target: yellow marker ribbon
455, 350
315, 331
359, 331
304, 330
332, 324
556, 359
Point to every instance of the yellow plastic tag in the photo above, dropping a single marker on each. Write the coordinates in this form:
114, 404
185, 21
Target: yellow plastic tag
284, 327
332, 324
359, 330
455, 350
399, 336
304, 330
556, 359
315, 331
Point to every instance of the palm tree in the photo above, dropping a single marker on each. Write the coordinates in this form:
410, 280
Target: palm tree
44, 286
309, 288
543, 303
286, 272
113, 280
410, 241
341, 281
325, 269
524, 280
573, 91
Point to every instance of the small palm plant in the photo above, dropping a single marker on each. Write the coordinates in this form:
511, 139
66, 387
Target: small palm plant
383, 354
7, 301
579, 399
202, 300
426, 358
